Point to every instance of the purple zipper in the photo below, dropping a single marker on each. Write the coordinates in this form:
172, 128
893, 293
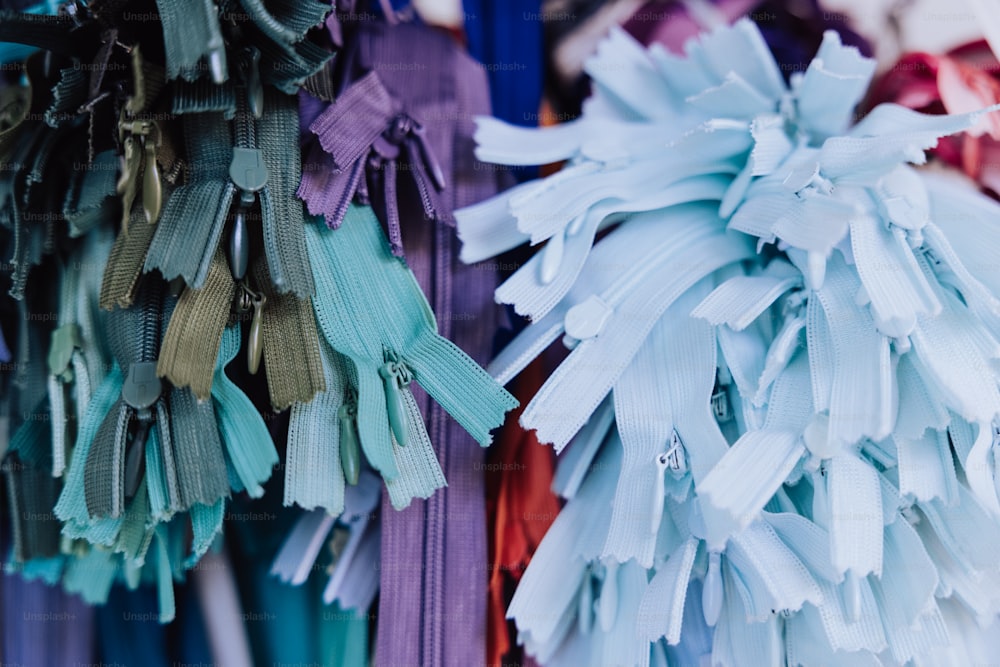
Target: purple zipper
432, 608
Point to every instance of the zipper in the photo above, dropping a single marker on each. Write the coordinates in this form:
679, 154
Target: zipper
926, 467
863, 388
649, 291
433, 626
318, 432
576, 460
739, 301
301, 548
186, 223
547, 597
487, 228
537, 287
190, 348
665, 428
642, 246
661, 611
401, 332
282, 213
241, 428
290, 323
768, 455
122, 444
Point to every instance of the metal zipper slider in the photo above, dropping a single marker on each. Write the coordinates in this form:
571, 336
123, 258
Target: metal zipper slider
675, 458
350, 451
721, 407
395, 375
65, 340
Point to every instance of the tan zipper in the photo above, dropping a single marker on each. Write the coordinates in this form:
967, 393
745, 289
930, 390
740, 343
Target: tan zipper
121, 275
291, 344
191, 344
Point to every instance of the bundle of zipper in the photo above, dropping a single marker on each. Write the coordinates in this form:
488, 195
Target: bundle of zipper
214, 253
777, 417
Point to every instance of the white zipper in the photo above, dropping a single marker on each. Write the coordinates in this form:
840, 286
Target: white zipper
544, 603
613, 266
662, 424
556, 201
623, 69
580, 383
888, 136
833, 84
301, 547
739, 301
966, 218
854, 510
952, 357
577, 459
894, 284
756, 466
775, 577
661, 612
488, 228
926, 466
862, 391
533, 296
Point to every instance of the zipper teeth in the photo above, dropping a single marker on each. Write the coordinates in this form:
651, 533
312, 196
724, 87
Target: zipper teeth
418, 177
244, 125
437, 506
151, 308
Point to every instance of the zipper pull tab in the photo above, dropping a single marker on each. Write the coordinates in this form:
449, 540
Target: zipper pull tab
255, 341
712, 594
585, 612
659, 490
238, 249
427, 155
152, 189
135, 458
217, 60
395, 376
852, 596
608, 604
65, 340
176, 287
128, 181
552, 255
255, 88
350, 451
